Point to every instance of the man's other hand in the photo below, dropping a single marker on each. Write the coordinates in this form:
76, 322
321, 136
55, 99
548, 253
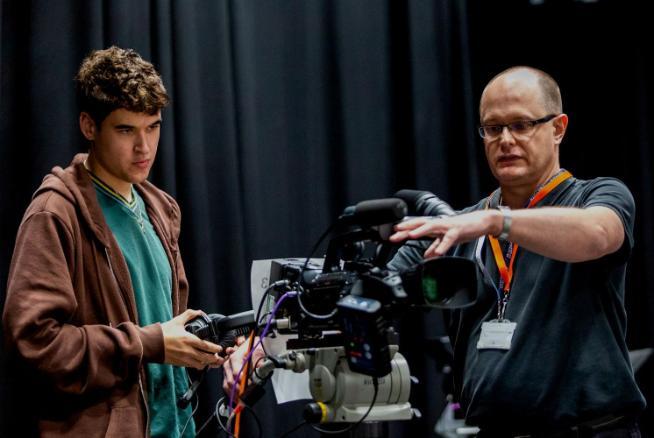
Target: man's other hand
234, 363
448, 231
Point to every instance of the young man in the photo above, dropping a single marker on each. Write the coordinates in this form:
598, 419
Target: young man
96, 295
543, 351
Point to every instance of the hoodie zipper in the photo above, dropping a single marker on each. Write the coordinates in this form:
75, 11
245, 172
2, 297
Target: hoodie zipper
147, 409
141, 390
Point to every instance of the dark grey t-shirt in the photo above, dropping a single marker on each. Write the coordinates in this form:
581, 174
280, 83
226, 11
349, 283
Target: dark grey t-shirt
568, 360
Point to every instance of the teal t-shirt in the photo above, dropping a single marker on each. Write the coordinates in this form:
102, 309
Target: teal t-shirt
151, 277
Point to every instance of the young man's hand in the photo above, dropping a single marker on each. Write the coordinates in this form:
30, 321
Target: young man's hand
187, 350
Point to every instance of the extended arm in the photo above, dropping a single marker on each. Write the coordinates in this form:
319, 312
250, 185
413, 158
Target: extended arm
561, 233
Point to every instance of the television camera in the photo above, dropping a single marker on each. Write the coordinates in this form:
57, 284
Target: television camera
341, 313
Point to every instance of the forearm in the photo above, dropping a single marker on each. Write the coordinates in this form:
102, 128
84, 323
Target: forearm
566, 234
50, 321
77, 359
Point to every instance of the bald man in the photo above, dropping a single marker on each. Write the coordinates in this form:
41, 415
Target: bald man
543, 351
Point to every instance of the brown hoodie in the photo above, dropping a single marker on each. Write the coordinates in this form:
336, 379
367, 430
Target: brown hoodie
70, 313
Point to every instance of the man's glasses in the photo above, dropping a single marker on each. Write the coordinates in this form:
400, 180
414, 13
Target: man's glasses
520, 128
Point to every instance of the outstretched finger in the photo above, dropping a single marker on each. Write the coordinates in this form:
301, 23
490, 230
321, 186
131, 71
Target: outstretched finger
410, 224
430, 251
440, 248
399, 236
430, 228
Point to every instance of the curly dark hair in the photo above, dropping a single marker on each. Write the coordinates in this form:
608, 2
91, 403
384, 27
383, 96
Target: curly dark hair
116, 78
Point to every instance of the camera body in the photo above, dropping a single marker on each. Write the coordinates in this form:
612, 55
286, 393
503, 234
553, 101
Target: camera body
220, 329
342, 314
361, 305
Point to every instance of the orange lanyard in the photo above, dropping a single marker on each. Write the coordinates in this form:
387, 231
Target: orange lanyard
506, 273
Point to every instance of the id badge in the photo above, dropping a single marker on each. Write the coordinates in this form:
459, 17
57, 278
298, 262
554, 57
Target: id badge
496, 334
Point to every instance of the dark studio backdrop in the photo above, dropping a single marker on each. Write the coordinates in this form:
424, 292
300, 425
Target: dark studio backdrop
285, 112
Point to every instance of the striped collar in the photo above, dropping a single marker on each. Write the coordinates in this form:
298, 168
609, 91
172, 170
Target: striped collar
106, 189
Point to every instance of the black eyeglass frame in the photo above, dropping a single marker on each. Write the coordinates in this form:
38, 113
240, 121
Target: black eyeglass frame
531, 123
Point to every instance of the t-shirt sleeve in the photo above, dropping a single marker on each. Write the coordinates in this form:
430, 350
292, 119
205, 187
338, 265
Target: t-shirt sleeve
614, 194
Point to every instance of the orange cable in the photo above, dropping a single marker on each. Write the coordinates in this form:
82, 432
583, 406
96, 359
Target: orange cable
241, 388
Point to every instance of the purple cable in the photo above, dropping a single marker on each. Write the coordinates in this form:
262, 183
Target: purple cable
254, 347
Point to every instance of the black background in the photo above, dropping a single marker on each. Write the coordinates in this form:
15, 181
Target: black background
284, 112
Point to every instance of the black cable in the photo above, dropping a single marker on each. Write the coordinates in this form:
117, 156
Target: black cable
224, 427
280, 282
316, 245
256, 419
353, 426
193, 411
258, 315
193, 396
257, 318
184, 400
219, 417
205, 424
300, 289
256, 364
